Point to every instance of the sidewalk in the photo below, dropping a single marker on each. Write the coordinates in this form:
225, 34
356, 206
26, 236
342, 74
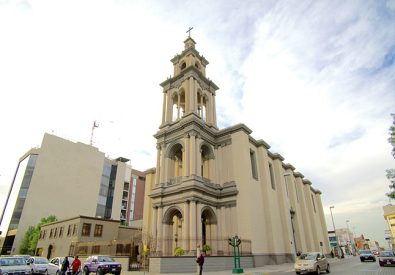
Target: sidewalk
264, 270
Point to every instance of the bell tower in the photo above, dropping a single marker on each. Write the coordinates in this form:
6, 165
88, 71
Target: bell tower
188, 192
189, 90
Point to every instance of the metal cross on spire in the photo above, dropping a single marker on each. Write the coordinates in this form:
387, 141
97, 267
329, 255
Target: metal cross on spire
189, 31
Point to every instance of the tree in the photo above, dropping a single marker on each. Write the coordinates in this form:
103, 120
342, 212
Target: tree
391, 172
391, 139
32, 234
391, 178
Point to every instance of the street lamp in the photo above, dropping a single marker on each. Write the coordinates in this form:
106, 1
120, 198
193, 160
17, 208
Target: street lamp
333, 223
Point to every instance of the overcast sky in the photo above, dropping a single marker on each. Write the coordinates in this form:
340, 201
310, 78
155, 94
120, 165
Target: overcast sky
314, 79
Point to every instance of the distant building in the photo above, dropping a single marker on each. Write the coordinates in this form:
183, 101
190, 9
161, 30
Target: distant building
67, 179
389, 216
84, 236
361, 242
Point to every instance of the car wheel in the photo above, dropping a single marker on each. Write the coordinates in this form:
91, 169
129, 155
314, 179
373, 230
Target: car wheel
328, 269
318, 271
362, 260
57, 272
297, 272
86, 271
99, 271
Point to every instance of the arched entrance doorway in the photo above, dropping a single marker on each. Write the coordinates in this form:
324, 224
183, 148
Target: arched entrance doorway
173, 224
209, 228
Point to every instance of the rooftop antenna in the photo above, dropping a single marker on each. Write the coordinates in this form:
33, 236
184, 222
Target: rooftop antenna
95, 125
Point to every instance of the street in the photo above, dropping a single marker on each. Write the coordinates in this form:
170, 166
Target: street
353, 266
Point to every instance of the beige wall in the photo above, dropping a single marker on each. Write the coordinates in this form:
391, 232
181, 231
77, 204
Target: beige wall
75, 170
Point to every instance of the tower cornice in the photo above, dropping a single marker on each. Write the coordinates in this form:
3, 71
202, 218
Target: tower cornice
175, 82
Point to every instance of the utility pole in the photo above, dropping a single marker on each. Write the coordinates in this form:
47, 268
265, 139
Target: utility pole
95, 125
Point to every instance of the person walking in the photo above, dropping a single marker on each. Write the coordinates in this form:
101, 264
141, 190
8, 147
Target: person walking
76, 265
200, 261
65, 266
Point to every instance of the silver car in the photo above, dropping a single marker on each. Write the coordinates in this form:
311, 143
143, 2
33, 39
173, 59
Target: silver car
38, 265
55, 264
311, 262
14, 265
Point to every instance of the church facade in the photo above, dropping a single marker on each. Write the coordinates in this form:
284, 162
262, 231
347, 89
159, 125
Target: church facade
212, 184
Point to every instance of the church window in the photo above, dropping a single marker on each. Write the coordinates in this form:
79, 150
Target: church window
272, 176
205, 164
296, 191
202, 106
312, 199
253, 165
183, 65
197, 65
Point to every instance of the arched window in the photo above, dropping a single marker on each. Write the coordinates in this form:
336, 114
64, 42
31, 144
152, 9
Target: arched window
183, 65
175, 167
202, 105
206, 155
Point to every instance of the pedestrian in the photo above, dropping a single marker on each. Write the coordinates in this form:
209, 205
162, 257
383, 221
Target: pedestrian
65, 266
200, 261
76, 265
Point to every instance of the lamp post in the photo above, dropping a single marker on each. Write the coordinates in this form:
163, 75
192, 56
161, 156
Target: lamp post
333, 223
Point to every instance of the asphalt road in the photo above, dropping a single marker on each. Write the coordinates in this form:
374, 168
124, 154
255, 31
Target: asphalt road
353, 266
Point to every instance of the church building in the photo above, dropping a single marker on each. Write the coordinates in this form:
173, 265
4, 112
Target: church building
212, 184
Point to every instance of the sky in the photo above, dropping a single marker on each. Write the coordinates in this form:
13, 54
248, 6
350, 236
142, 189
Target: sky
313, 79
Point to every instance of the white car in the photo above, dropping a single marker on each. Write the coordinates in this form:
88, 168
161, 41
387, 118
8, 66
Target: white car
13, 265
55, 264
38, 265
311, 262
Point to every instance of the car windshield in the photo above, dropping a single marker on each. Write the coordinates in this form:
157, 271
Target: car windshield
40, 261
308, 256
365, 252
387, 254
11, 261
105, 259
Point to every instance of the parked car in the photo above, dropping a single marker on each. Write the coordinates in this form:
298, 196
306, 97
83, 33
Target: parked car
386, 258
101, 264
14, 265
311, 262
55, 264
38, 265
366, 255
25, 257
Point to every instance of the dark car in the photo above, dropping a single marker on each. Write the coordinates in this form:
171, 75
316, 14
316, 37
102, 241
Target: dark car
386, 258
366, 255
101, 264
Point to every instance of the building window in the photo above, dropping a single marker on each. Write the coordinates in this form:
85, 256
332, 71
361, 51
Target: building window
69, 230
75, 227
55, 234
98, 230
61, 231
312, 199
86, 229
96, 249
296, 191
51, 233
44, 234
272, 176
253, 165
83, 250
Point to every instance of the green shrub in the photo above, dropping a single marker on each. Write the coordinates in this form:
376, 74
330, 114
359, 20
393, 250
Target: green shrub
206, 248
179, 251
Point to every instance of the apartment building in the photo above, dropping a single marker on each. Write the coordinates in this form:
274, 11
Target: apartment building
66, 179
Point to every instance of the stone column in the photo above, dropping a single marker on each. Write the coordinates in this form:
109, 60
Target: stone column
186, 157
160, 230
157, 174
154, 223
192, 228
214, 112
193, 153
162, 165
185, 227
164, 108
220, 249
191, 95
199, 224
